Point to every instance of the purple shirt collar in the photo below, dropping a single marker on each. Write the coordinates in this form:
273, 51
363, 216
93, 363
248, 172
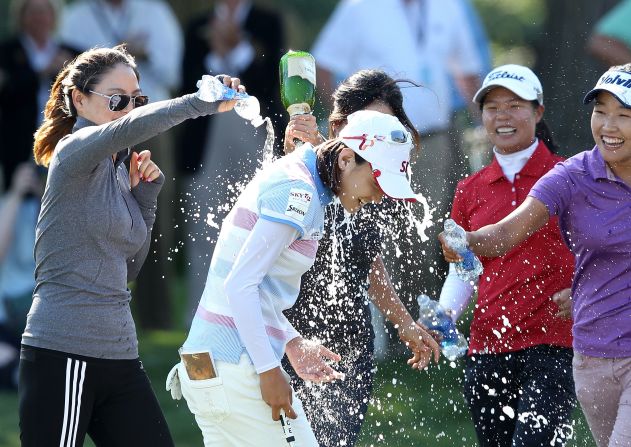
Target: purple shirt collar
598, 168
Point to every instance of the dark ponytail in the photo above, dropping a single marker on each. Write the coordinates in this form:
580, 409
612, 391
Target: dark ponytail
542, 131
58, 122
83, 73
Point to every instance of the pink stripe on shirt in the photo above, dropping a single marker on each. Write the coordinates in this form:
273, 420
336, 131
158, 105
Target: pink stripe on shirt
224, 320
244, 218
305, 247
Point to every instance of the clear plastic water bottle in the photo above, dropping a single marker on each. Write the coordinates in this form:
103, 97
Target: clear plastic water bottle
432, 315
470, 268
247, 107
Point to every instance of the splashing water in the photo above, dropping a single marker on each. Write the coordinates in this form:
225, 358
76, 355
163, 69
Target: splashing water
420, 226
412, 222
214, 188
268, 148
561, 434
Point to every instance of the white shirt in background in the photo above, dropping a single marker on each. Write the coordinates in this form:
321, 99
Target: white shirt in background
421, 40
89, 23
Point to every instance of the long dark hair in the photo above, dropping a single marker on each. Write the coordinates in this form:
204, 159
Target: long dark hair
356, 93
328, 169
60, 114
362, 89
543, 133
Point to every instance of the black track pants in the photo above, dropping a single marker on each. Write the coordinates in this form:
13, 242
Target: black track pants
64, 396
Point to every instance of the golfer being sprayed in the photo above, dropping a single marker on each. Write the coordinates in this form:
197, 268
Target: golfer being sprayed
230, 374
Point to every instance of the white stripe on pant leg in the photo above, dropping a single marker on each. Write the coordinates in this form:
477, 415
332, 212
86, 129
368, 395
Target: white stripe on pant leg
76, 424
73, 400
66, 401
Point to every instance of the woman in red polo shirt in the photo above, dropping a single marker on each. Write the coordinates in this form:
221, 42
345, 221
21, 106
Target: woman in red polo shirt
518, 376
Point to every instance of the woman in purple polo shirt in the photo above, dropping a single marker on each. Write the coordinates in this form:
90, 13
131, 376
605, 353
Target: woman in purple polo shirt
591, 195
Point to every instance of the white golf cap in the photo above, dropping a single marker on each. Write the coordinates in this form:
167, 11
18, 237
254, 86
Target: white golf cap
516, 78
385, 143
616, 82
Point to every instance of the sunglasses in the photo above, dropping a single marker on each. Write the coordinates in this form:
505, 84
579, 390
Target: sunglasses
396, 136
119, 102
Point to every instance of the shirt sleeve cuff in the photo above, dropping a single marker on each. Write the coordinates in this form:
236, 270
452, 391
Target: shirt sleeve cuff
546, 199
267, 367
283, 220
146, 193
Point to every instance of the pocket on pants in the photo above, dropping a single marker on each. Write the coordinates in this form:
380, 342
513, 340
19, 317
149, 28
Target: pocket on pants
581, 362
205, 398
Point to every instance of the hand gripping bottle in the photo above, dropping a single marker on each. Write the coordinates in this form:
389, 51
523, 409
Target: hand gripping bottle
431, 315
470, 268
297, 82
211, 89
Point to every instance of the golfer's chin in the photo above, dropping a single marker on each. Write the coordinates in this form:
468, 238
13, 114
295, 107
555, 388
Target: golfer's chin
351, 205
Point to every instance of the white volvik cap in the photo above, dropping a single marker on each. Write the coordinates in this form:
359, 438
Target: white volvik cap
616, 82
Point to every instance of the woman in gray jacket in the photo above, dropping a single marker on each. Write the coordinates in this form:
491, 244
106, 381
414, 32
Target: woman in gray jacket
79, 369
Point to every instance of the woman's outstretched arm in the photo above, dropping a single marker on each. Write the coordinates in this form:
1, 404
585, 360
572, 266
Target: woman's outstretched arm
501, 237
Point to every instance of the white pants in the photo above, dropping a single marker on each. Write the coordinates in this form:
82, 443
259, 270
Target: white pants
230, 411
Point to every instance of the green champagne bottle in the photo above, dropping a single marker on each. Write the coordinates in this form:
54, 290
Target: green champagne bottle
297, 82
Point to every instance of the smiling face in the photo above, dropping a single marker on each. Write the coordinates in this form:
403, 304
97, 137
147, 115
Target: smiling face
95, 108
357, 183
611, 128
509, 120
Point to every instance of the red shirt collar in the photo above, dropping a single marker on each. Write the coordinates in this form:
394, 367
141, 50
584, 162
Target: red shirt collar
536, 165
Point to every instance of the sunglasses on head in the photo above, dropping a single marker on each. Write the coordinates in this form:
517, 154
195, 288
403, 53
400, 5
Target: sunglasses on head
396, 136
119, 102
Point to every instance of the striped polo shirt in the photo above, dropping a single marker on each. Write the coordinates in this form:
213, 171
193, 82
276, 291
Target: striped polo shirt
289, 191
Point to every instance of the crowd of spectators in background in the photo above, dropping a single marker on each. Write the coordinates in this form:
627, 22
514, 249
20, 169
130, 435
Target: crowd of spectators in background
440, 44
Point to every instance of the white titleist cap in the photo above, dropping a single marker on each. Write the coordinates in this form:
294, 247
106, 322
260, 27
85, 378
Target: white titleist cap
516, 78
385, 143
616, 82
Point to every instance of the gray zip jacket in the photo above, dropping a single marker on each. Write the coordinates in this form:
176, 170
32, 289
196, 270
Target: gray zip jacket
93, 234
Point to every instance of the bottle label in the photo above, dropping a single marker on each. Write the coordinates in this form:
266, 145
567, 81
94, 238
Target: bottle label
299, 109
303, 67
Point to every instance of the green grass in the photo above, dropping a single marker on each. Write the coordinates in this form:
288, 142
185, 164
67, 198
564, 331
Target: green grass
409, 408
428, 409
